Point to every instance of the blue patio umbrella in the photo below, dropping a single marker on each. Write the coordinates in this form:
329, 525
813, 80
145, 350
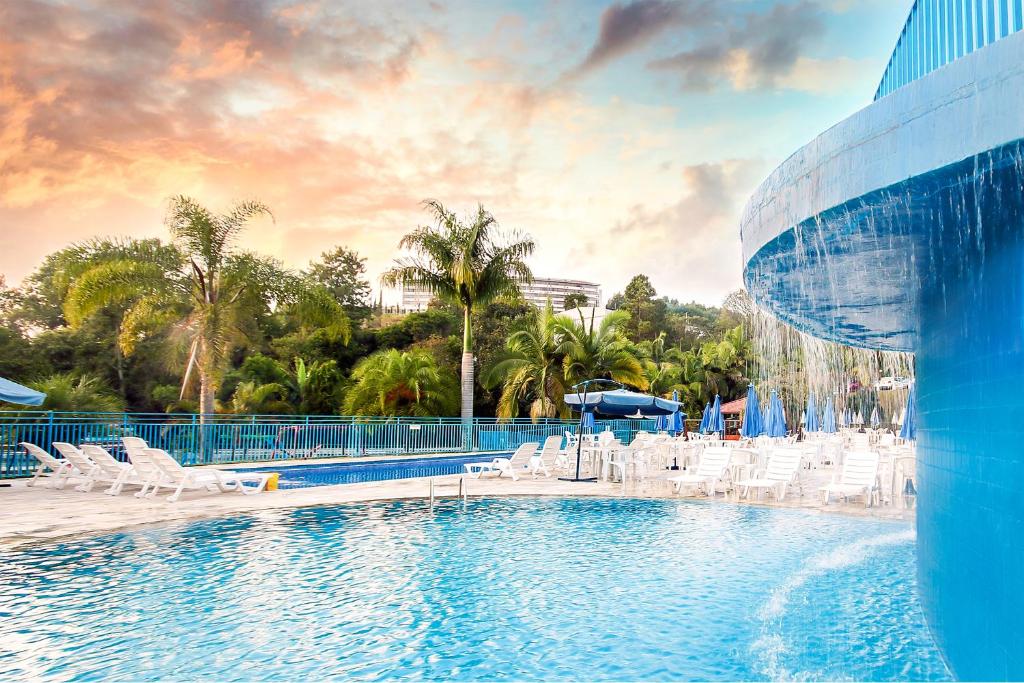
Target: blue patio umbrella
753, 423
776, 423
661, 424
875, 418
717, 420
674, 421
621, 403
813, 424
705, 419
909, 428
12, 392
828, 418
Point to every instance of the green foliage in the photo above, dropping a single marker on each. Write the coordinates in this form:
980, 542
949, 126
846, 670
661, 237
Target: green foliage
342, 272
396, 382
594, 350
260, 399
574, 300
417, 327
73, 393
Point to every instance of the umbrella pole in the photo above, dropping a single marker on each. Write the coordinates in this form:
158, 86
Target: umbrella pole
579, 436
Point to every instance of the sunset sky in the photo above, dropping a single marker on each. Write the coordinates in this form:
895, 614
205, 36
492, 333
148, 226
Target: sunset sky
623, 137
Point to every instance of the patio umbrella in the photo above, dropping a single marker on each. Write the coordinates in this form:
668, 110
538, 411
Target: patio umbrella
828, 418
776, 422
705, 419
661, 424
909, 428
813, 424
753, 423
858, 419
12, 392
621, 403
675, 420
875, 419
588, 421
717, 420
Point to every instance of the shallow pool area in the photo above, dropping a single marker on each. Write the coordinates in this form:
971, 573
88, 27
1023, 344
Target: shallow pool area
516, 589
329, 474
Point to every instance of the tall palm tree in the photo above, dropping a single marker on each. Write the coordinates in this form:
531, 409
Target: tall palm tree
598, 350
396, 382
466, 264
531, 369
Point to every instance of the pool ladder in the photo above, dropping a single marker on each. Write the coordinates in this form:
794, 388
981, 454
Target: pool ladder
434, 486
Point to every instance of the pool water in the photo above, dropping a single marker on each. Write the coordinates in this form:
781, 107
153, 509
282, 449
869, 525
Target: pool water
513, 589
326, 474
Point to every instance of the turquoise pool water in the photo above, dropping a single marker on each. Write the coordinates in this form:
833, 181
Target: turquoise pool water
522, 589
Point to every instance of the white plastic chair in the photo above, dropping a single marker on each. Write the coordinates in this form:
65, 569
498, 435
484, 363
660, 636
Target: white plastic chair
213, 480
81, 462
518, 464
119, 474
859, 477
782, 469
713, 467
49, 466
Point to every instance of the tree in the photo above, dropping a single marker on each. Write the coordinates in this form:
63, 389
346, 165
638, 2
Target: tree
341, 272
597, 352
396, 382
615, 302
638, 299
463, 263
260, 399
531, 370
575, 300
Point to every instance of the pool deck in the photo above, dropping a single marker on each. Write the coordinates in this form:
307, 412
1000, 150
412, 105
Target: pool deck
39, 514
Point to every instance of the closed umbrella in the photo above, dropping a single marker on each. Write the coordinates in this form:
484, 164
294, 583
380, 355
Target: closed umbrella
858, 419
813, 424
675, 420
705, 419
717, 420
875, 418
909, 428
776, 423
828, 418
589, 422
753, 423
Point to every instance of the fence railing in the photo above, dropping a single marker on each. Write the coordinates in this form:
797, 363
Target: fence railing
258, 438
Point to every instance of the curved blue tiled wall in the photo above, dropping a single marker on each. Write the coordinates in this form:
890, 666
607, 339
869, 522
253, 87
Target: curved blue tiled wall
970, 379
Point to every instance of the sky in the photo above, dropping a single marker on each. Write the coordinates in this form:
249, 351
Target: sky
624, 137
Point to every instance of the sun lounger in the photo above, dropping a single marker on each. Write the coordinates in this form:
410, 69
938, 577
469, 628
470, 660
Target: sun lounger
50, 467
516, 465
193, 478
783, 467
549, 456
714, 464
81, 462
144, 467
119, 474
859, 477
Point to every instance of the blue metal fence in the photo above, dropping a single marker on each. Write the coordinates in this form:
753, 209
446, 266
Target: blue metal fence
258, 438
938, 32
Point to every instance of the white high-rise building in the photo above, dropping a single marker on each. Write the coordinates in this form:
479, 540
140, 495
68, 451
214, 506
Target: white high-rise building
538, 293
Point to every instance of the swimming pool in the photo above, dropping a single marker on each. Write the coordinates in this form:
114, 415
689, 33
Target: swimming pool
326, 474
520, 589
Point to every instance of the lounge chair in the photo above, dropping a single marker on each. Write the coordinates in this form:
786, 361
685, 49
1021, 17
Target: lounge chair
520, 460
783, 467
859, 477
119, 474
144, 467
713, 468
548, 461
49, 466
192, 478
81, 462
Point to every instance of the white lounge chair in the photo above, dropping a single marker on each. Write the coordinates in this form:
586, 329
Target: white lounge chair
82, 463
519, 461
144, 467
119, 474
713, 468
859, 477
192, 478
549, 456
49, 466
783, 468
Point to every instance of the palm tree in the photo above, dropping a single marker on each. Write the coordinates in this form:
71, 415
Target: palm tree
465, 264
251, 398
396, 382
69, 392
209, 304
531, 369
661, 365
598, 353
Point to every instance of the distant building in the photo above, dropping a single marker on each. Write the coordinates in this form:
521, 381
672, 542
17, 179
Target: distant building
537, 293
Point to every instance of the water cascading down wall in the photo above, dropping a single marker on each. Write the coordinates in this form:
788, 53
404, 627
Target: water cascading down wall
902, 228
